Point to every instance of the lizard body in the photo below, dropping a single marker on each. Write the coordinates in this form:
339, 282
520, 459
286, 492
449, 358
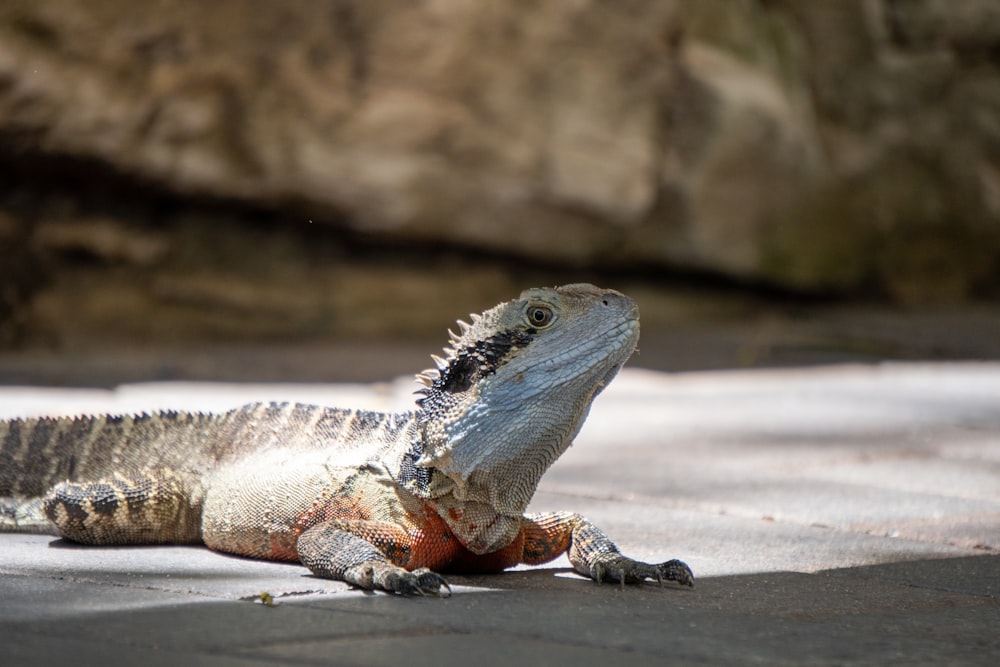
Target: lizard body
380, 500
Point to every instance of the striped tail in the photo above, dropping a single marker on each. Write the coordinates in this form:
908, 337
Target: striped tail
35, 454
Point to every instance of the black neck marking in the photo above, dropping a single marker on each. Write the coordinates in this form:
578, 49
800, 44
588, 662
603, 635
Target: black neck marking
478, 361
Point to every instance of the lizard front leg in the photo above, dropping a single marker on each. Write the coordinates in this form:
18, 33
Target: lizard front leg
591, 551
336, 550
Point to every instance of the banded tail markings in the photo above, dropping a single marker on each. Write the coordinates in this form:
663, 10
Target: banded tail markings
145, 507
37, 453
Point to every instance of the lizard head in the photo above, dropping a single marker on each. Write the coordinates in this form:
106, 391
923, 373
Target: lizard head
514, 388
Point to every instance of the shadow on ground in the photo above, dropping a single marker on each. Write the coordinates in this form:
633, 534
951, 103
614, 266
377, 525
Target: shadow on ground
944, 610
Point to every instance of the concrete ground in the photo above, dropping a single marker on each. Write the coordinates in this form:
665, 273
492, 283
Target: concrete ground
833, 515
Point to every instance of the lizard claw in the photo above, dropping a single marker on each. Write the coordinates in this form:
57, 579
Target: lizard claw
418, 582
675, 570
432, 583
624, 570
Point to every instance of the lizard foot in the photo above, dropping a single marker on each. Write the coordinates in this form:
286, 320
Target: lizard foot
392, 579
419, 582
622, 570
333, 553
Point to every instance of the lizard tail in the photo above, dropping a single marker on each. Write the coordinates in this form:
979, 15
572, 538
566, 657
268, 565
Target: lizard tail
37, 453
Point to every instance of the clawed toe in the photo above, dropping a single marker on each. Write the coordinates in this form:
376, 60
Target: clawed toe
628, 571
432, 583
675, 570
421, 582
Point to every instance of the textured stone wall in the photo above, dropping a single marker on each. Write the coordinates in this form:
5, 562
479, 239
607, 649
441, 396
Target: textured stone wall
839, 147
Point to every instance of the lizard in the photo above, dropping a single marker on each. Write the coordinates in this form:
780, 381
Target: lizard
381, 500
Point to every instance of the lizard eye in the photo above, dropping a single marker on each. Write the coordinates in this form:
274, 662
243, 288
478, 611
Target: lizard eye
540, 316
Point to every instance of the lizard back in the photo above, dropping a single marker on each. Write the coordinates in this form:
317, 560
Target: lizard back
36, 453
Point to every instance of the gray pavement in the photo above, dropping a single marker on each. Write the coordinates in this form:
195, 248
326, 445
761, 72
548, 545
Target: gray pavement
833, 515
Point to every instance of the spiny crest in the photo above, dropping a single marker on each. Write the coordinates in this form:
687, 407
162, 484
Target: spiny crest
471, 336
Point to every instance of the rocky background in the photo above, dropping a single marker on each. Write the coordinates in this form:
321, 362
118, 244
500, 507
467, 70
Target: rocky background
185, 172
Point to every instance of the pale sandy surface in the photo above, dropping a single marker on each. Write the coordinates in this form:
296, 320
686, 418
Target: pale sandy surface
833, 515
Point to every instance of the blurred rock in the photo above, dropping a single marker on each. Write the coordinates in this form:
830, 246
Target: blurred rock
845, 148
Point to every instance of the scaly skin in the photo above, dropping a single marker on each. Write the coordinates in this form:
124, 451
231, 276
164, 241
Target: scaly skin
383, 501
